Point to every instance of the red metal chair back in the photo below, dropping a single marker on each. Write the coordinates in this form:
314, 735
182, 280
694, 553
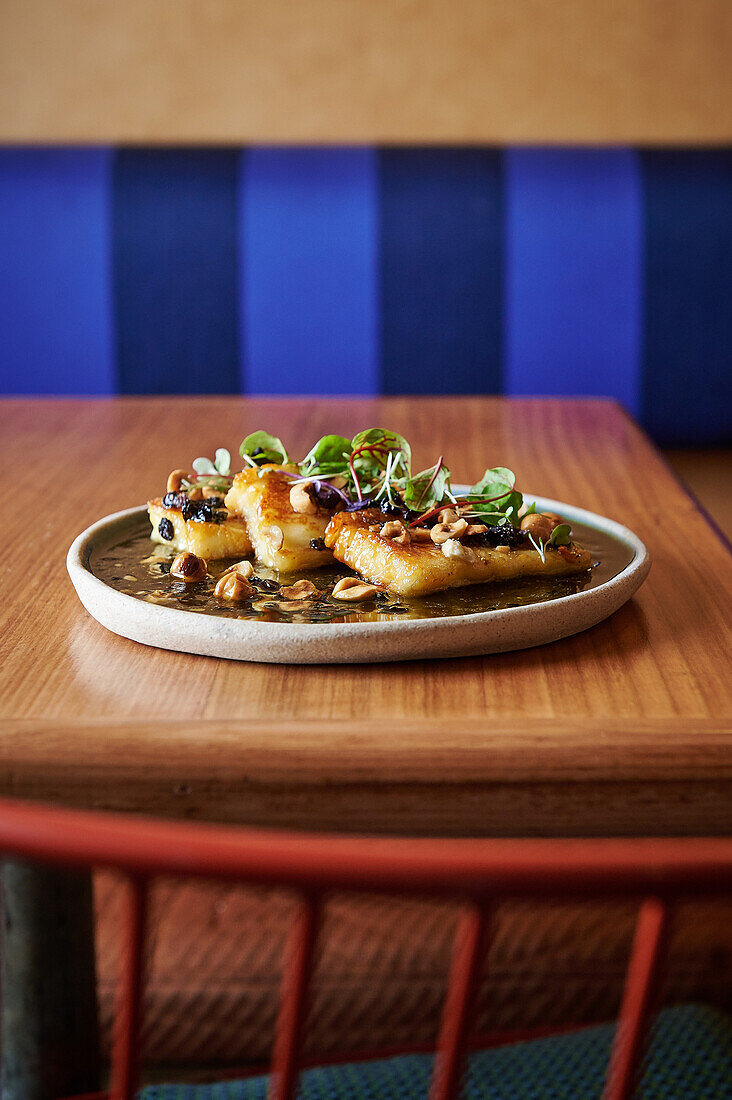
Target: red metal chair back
478, 872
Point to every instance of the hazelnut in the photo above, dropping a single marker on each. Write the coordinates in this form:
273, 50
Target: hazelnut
243, 568
353, 588
441, 532
420, 534
301, 498
232, 586
196, 493
175, 480
476, 529
300, 590
538, 526
553, 517
189, 568
395, 531
447, 515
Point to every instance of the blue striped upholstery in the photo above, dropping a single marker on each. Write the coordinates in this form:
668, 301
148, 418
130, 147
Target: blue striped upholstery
367, 270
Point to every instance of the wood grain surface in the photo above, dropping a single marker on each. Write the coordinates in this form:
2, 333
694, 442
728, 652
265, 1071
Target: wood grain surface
623, 729
240, 71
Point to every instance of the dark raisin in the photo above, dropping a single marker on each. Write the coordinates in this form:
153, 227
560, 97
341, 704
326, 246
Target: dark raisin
265, 585
317, 544
164, 566
174, 500
166, 529
187, 509
215, 502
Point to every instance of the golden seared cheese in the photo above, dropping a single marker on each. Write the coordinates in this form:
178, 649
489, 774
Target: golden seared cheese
280, 535
229, 539
419, 568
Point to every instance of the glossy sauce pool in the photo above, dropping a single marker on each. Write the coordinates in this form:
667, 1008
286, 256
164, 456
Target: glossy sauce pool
140, 568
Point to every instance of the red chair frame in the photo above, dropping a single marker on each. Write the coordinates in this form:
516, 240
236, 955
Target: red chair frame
478, 872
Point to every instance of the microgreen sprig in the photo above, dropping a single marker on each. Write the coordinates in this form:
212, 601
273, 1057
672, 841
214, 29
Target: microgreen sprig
216, 474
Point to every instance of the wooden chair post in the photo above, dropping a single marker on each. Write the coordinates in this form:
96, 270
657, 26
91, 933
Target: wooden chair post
128, 1013
296, 975
640, 987
468, 951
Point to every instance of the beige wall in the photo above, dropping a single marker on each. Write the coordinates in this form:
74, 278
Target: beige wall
366, 70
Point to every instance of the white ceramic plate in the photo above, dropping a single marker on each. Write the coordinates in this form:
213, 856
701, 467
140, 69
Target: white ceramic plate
351, 642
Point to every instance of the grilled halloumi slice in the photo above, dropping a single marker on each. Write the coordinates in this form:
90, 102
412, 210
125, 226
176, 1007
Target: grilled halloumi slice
280, 535
212, 541
420, 568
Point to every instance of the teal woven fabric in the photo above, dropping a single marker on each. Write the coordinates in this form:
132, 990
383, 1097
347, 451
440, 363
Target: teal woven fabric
690, 1058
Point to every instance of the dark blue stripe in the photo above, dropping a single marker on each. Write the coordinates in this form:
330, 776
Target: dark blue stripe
175, 270
308, 242
687, 377
573, 272
55, 302
441, 270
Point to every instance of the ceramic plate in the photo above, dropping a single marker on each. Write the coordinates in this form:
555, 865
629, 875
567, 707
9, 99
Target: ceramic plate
479, 632
491, 631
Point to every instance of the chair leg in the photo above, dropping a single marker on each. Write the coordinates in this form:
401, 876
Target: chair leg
48, 1026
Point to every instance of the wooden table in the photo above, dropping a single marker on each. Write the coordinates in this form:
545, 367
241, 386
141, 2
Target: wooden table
623, 729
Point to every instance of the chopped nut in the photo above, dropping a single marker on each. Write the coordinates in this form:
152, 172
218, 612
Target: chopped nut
375, 527
301, 498
553, 517
395, 530
175, 480
243, 568
338, 482
454, 549
447, 515
476, 529
502, 549
420, 534
232, 586
196, 493
294, 605
300, 590
441, 532
353, 588
209, 491
275, 535
189, 568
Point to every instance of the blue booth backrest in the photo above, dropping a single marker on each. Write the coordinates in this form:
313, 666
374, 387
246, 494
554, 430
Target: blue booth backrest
366, 270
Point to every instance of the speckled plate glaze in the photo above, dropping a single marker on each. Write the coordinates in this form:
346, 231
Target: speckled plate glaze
480, 632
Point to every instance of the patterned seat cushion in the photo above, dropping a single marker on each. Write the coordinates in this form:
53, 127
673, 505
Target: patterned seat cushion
690, 1058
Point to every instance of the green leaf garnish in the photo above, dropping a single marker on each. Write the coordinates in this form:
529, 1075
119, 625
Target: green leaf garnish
379, 459
214, 474
204, 466
261, 447
495, 483
375, 444
222, 461
329, 456
560, 536
427, 488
